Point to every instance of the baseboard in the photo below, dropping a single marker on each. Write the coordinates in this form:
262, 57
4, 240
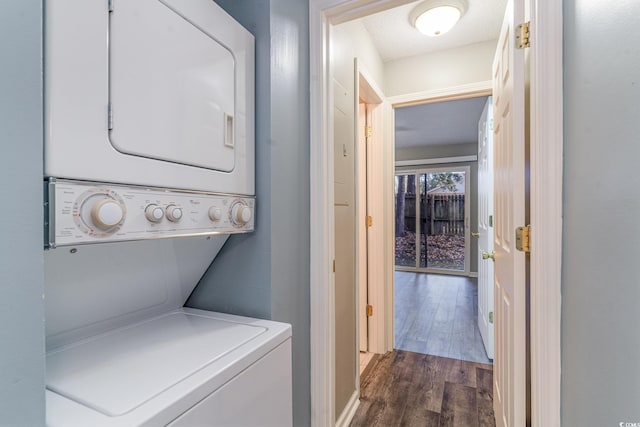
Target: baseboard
473, 274
349, 411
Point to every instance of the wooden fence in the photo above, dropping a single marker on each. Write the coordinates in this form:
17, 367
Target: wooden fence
439, 214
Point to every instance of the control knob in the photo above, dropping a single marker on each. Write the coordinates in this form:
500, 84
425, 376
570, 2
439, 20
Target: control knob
173, 213
106, 214
240, 213
154, 213
215, 214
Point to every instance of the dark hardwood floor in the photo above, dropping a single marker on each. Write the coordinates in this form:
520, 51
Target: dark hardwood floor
438, 314
403, 388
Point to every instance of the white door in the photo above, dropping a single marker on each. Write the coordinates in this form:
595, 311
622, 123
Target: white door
345, 287
509, 208
485, 226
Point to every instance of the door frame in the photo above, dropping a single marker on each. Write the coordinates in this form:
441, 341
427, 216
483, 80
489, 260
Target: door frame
417, 170
546, 140
368, 90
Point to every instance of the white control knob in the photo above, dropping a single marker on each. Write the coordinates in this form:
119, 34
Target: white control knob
173, 213
154, 213
215, 214
106, 214
240, 213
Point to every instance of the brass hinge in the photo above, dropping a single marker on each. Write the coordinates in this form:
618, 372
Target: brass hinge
522, 36
334, 265
491, 317
368, 133
369, 221
369, 310
523, 239
109, 116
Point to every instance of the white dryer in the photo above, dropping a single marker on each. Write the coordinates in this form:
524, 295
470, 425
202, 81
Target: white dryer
149, 167
149, 92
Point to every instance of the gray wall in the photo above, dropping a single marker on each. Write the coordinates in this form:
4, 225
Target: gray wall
290, 298
245, 260
21, 259
600, 278
266, 274
439, 151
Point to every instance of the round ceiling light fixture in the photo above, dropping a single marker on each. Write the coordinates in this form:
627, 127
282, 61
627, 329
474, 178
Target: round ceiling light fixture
435, 17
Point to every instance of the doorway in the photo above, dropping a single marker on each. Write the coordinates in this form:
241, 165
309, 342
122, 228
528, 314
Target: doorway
436, 292
369, 226
546, 168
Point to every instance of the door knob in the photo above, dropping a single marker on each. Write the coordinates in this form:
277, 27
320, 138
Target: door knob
476, 235
487, 255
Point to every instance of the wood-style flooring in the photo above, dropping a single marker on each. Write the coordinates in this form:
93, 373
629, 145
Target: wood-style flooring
438, 314
403, 388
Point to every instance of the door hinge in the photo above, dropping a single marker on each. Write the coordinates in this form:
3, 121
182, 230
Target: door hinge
368, 133
523, 239
368, 221
490, 220
491, 317
109, 116
334, 265
522, 36
369, 310
110, 5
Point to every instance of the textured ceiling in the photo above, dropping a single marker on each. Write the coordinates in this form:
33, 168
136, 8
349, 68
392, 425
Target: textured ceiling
450, 122
443, 123
395, 37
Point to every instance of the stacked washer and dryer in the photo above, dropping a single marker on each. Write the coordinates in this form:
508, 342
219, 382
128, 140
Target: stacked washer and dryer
149, 167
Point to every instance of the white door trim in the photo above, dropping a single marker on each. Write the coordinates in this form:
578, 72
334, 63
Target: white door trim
377, 284
321, 234
470, 90
420, 162
546, 208
362, 157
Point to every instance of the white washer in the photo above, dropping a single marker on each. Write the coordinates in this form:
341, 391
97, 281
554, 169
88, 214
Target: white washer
123, 351
184, 368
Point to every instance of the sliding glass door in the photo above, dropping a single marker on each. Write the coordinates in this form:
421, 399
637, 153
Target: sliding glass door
405, 192
432, 208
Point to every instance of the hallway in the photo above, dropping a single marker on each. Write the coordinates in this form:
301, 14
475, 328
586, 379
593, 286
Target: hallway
437, 314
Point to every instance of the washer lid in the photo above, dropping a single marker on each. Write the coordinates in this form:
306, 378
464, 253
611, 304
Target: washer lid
116, 372
172, 88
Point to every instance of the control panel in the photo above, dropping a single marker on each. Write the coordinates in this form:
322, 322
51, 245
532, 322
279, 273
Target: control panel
86, 212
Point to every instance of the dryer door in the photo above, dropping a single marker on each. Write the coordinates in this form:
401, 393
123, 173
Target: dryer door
171, 88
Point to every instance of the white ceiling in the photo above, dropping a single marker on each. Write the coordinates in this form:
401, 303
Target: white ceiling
442, 123
452, 122
395, 37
